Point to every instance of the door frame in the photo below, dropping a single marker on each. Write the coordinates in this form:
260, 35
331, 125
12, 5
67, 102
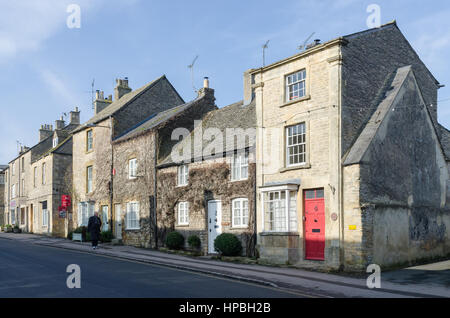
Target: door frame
219, 223
117, 221
108, 227
304, 223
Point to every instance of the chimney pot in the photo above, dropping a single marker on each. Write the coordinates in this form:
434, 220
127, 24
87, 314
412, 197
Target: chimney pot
121, 88
75, 117
206, 82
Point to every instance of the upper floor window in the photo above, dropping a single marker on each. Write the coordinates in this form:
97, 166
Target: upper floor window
43, 173
13, 168
55, 141
23, 187
183, 175
296, 85
89, 179
89, 140
295, 145
132, 169
183, 213
239, 166
35, 176
2, 179
240, 212
13, 191
23, 164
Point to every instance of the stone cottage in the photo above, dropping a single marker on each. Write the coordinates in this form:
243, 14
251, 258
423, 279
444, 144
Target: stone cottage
136, 153
206, 182
352, 164
50, 177
36, 180
3, 169
93, 165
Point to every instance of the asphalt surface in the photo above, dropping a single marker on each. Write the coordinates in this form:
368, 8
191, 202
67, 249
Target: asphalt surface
30, 271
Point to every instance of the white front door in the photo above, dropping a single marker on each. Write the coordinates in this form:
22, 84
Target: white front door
214, 223
118, 221
105, 225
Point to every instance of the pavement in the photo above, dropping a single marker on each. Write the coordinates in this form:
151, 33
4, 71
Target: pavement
432, 280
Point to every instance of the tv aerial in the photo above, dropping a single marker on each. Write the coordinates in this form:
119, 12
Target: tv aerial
264, 47
301, 47
191, 66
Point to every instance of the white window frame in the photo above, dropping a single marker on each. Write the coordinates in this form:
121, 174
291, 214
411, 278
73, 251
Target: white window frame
85, 211
240, 215
2, 179
295, 141
55, 142
35, 177
239, 166
295, 84
183, 213
89, 140
133, 216
283, 217
89, 179
13, 191
132, 168
44, 217
182, 175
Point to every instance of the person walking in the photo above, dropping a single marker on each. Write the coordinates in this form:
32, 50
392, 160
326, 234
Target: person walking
94, 226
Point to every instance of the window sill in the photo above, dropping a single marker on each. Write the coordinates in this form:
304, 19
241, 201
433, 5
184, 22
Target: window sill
239, 180
239, 227
183, 225
181, 185
304, 166
134, 229
279, 234
306, 97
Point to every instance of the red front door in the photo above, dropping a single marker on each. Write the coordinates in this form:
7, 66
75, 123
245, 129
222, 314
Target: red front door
314, 224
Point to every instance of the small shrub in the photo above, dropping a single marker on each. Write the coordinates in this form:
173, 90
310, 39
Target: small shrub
69, 236
228, 244
106, 236
175, 240
194, 242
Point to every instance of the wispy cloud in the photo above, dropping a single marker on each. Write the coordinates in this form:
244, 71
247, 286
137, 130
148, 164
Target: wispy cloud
26, 24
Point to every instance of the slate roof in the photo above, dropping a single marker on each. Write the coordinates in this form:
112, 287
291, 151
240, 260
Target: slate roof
445, 140
155, 120
3, 167
232, 116
121, 102
388, 94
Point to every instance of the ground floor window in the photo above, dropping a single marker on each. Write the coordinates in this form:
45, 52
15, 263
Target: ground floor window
240, 212
13, 217
183, 213
85, 211
44, 214
132, 221
280, 210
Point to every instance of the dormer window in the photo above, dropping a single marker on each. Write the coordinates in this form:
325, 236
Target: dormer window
55, 141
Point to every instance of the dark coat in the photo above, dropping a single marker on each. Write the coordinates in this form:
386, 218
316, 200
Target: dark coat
94, 226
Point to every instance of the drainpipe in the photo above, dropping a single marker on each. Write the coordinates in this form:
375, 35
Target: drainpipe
340, 171
111, 191
254, 212
155, 192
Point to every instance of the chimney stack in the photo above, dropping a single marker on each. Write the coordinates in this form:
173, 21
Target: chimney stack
59, 124
249, 93
205, 90
75, 117
45, 132
121, 88
100, 102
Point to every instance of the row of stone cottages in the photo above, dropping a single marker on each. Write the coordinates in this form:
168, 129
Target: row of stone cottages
334, 158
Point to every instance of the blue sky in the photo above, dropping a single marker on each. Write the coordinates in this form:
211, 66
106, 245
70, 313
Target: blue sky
47, 69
